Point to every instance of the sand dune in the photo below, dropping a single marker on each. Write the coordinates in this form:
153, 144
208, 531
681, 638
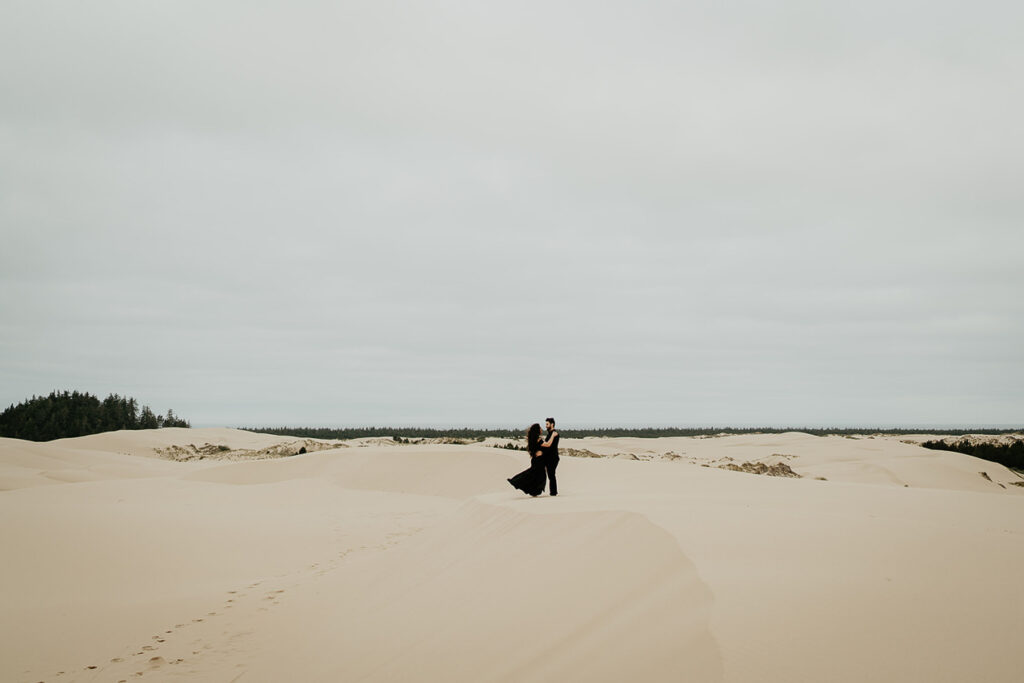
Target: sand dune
397, 563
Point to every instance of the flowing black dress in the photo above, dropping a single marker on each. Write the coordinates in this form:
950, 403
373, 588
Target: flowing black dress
532, 480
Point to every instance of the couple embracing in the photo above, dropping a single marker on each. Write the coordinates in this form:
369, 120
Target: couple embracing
543, 459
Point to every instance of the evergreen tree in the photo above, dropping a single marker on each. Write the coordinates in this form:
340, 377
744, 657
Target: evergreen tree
147, 420
173, 420
68, 414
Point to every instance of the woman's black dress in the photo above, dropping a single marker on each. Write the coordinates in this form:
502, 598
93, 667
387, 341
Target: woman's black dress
531, 481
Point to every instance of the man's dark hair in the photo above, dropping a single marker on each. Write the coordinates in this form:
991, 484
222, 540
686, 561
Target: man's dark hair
551, 420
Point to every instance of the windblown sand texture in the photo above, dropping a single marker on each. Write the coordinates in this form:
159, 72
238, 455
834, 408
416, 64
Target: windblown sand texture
213, 555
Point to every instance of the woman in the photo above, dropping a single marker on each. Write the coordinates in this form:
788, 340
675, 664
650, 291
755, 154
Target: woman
532, 480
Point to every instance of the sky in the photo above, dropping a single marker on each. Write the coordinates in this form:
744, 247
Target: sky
460, 213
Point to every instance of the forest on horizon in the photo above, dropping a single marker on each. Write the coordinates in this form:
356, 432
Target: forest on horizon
72, 413
606, 432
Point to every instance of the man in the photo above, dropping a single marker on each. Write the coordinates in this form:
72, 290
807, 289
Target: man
549, 449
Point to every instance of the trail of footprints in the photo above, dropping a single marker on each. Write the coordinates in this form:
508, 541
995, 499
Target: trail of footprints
145, 659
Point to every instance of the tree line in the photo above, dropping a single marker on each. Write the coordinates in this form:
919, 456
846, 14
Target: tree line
1007, 454
607, 432
73, 413
396, 432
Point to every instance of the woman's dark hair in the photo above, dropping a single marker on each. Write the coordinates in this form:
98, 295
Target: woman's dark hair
533, 439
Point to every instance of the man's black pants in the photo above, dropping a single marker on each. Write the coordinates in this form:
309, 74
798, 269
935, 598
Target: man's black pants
550, 463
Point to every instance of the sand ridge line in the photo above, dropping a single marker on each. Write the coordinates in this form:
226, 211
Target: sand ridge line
582, 580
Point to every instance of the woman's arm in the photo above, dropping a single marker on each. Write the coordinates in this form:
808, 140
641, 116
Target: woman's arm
550, 440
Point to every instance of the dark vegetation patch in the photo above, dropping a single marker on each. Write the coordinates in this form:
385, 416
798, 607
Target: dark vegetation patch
510, 446
210, 451
72, 413
1008, 454
777, 470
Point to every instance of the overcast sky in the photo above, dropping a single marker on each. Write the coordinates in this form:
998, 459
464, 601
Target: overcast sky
353, 213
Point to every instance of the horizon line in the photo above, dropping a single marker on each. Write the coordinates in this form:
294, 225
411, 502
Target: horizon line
723, 426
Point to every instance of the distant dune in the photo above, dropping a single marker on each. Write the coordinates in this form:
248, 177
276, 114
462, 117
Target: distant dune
223, 555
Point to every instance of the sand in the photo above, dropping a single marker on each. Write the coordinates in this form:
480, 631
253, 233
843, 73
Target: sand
373, 561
